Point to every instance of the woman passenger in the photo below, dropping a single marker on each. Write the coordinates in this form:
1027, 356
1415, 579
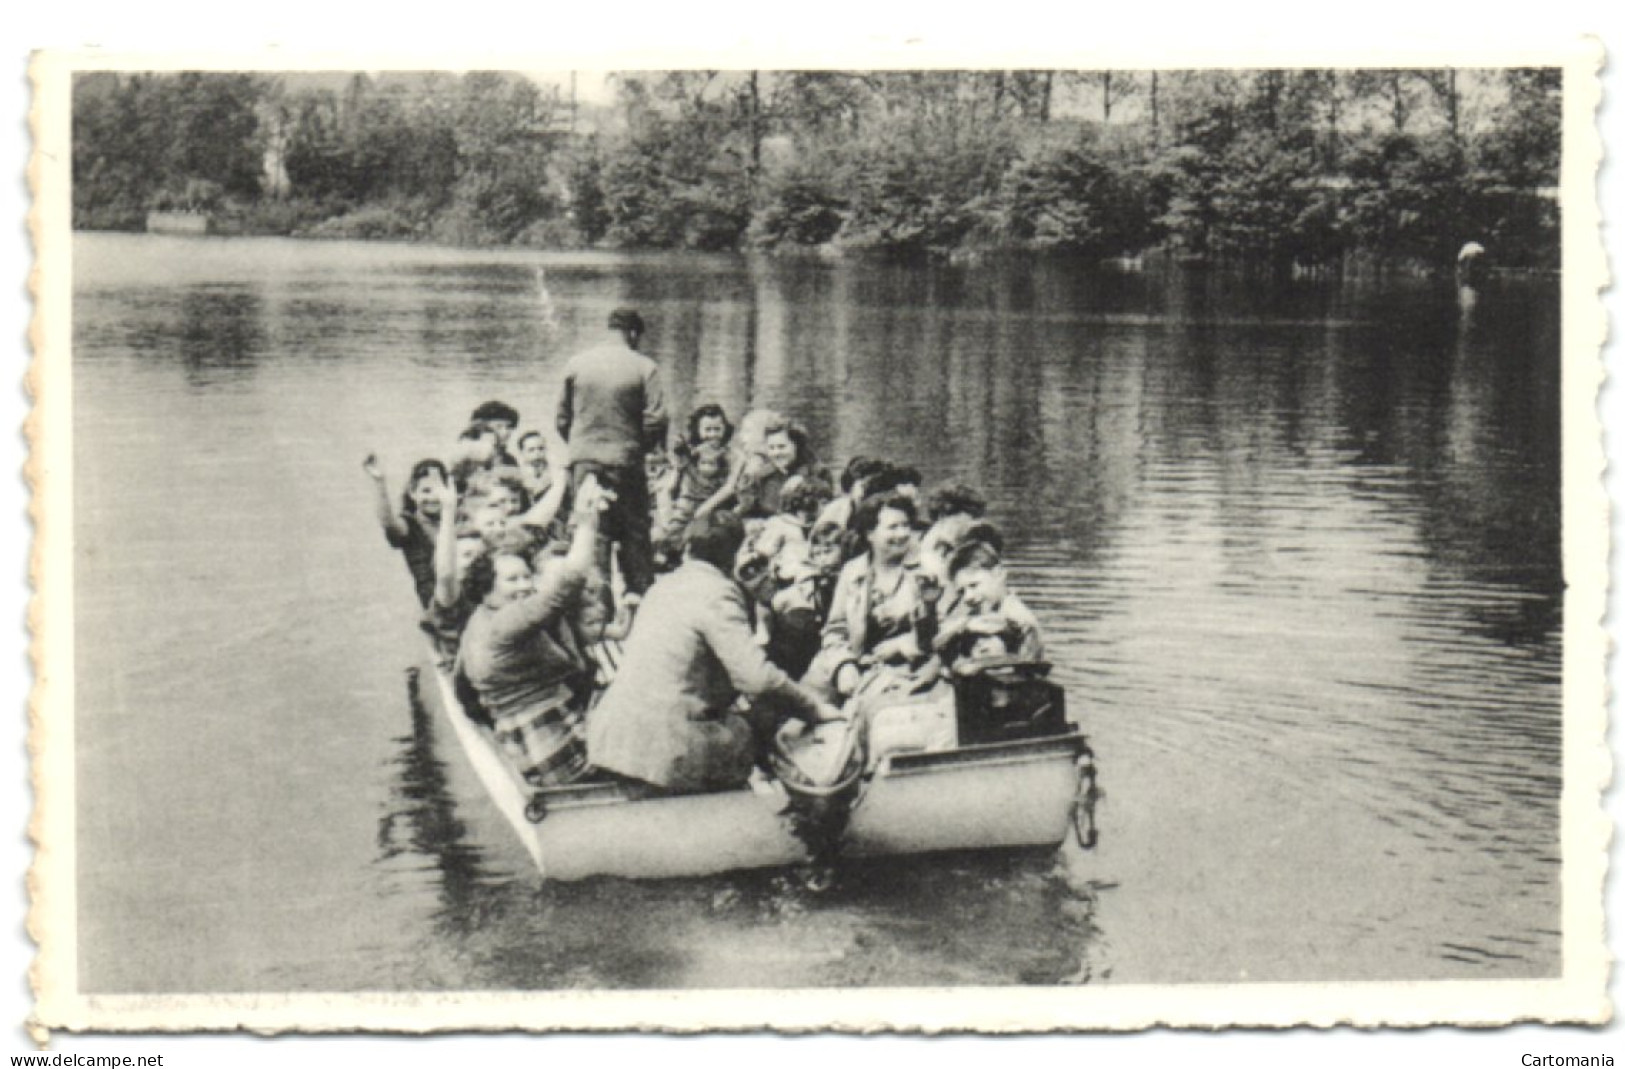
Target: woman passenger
703, 470
880, 626
749, 460
789, 453
706, 424
521, 657
412, 528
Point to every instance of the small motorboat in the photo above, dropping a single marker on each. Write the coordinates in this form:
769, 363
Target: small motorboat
1022, 780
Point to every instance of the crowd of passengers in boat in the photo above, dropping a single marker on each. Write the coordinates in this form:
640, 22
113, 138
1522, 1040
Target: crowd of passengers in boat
619, 604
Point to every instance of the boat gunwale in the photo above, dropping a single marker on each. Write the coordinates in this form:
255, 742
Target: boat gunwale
915, 763
902, 764
984, 755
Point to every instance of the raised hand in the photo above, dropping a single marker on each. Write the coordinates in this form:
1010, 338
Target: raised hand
592, 498
446, 492
370, 466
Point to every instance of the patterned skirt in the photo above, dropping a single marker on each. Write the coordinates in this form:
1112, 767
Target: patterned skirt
547, 739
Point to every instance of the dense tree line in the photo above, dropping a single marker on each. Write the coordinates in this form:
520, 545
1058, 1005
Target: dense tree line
1284, 167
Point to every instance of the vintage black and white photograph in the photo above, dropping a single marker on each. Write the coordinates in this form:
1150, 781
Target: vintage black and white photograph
1076, 537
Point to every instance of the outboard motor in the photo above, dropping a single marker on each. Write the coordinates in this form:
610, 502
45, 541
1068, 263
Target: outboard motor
821, 771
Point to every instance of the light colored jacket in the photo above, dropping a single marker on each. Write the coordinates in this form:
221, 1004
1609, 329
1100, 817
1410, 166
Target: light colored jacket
612, 407
847, 633
666, 719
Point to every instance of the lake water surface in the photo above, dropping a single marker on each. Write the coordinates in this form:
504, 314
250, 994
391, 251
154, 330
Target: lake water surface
1295, 545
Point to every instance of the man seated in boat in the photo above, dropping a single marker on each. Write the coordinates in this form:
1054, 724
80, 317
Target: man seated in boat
673, 718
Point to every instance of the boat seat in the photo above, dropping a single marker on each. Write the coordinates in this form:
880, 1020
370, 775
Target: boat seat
606, 656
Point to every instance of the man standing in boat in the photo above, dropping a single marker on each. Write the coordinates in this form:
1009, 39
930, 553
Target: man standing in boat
612, 410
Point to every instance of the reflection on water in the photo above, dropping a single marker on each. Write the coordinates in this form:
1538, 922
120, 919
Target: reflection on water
1296, 546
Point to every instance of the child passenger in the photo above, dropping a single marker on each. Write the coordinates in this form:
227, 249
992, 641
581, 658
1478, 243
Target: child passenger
800, 502
987, 608
704, 467
503, 486
803, 584
748, 462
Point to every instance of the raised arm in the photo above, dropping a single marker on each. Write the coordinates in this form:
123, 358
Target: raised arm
591, 501
388, 518
928, 612
448, 585
559, 592
546, 507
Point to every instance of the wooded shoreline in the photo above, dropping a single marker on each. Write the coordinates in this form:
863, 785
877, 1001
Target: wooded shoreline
1298, 170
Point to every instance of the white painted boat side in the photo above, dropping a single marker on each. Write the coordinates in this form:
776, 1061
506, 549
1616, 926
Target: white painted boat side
663, 838
507, 791
1016, 795
1021, 800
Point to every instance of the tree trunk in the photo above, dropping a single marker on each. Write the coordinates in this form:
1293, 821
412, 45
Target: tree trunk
1333, 118
1452, 103
1106, 98
1272, 100
1154, 138
754, 131
1044, 97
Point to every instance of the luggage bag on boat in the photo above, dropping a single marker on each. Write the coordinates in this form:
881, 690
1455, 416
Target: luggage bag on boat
1005, 699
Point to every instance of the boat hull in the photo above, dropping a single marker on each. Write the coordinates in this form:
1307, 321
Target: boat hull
1016, 794
179, 222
